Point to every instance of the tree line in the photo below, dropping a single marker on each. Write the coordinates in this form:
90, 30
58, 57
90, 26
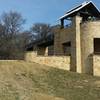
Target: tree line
13, 38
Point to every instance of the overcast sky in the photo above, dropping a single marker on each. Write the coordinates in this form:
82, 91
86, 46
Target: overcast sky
46, 11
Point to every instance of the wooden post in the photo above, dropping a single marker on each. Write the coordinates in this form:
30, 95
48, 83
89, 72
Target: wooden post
62, 23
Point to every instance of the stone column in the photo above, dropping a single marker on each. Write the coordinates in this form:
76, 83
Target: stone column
46, 51
76, 45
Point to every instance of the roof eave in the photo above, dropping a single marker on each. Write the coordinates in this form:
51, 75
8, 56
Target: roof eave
83, 5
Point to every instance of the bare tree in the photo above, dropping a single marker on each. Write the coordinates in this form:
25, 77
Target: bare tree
25, 38
40, 30
12, 21
10, 27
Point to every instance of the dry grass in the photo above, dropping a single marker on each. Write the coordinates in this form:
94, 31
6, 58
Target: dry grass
20, 80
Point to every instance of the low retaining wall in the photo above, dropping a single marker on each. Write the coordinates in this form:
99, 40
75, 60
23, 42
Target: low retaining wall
96, 65
62, 62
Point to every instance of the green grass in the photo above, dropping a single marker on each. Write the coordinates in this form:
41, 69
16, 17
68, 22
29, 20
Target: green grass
20, 80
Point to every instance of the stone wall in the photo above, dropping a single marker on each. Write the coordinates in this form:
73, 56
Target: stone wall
61, 36
62, 62
89, 31
41, 51
81, 36
72, 35
96, 65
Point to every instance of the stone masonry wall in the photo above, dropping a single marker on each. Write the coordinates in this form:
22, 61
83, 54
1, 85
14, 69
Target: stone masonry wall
70, 34
61, 36
96, 65
89, 31
62, 62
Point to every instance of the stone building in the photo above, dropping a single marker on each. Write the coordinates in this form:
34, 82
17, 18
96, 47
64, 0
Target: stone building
76, 44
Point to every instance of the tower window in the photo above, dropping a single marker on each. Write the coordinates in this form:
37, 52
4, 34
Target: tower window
96, 45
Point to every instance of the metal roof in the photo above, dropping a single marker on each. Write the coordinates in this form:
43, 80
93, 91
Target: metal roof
79, 8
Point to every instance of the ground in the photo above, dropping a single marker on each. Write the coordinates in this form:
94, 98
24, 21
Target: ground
21, 80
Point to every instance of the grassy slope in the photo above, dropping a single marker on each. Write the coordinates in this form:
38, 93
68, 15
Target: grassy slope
30, 81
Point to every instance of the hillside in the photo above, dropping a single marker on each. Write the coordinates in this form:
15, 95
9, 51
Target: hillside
20, 80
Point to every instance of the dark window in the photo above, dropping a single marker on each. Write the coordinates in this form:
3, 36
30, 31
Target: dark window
67, 48
96, 45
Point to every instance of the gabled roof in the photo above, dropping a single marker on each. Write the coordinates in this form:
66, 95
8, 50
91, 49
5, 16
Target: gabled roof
80, 7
